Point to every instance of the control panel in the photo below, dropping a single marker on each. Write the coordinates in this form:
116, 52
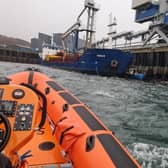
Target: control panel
18, 104
23, 120
8, 107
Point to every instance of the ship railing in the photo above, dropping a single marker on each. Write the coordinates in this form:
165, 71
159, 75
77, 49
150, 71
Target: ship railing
139, 45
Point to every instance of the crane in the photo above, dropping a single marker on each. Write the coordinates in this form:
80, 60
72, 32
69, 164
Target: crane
155, 11
91, 8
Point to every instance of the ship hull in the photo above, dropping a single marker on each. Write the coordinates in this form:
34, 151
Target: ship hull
106, 62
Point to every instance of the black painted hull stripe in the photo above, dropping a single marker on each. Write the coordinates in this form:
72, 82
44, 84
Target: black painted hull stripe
69, 98
54, 86
88, 118
118, 156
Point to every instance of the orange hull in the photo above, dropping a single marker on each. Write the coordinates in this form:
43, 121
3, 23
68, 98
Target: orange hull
70, 127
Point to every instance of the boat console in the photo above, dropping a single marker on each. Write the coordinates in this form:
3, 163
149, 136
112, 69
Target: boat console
23, 130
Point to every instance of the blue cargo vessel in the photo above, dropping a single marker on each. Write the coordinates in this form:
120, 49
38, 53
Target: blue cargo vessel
106, 62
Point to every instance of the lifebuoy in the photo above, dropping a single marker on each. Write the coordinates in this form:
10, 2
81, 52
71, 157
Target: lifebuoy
114, 63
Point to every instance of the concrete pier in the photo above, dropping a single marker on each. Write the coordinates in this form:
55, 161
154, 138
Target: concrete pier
14, 55
152, 60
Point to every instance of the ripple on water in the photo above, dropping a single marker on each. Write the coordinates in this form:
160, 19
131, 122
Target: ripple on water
150, 156
136, 111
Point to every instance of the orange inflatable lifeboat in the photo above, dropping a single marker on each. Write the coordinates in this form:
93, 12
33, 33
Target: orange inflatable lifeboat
43, 125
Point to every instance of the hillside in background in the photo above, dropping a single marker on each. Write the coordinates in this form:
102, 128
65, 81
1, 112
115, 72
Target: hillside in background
10, 41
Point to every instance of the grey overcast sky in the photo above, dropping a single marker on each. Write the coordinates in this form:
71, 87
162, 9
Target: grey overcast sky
25, 18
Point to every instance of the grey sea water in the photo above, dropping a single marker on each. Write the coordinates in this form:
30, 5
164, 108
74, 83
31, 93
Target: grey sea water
136, 111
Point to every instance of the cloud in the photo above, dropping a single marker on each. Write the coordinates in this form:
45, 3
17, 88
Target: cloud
25, 18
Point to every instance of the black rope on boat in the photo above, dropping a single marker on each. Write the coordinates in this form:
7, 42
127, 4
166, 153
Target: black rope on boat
63, 133
44, 108
30, 79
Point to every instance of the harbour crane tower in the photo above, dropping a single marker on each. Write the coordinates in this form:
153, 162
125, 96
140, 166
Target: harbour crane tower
91, 8
156, 12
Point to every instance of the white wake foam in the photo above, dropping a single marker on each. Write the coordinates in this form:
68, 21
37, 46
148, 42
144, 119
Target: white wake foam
103, 93
150, 156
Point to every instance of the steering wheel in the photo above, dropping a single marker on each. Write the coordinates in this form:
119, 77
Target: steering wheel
5, 131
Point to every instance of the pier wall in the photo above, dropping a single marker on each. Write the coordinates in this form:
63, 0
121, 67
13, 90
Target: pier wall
152, 60
12, 55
